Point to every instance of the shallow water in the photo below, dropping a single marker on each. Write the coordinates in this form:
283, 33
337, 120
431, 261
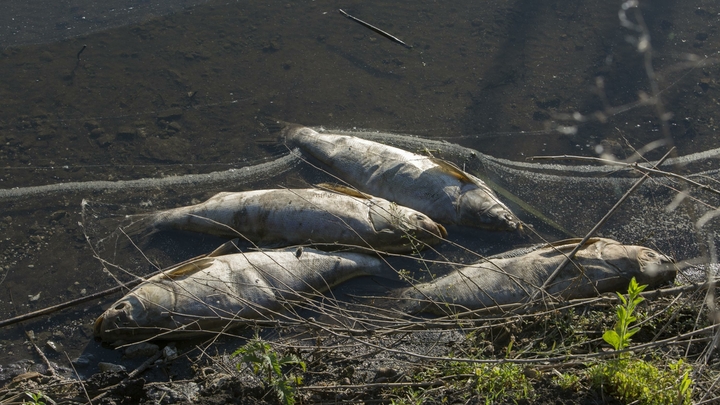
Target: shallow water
178, 92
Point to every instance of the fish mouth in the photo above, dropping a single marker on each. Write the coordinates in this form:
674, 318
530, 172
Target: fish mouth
97, 326
118, 319
428, 225
657, 266
443, 231
503, 221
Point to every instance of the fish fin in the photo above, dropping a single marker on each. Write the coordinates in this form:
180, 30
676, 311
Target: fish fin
569, 244
339, 188
294, 180
452, 170
190, 267
272, 125
226, 248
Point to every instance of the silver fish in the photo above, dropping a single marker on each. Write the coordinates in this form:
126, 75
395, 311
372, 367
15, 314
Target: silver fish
601, 265
211, 294
297, 216
430, 185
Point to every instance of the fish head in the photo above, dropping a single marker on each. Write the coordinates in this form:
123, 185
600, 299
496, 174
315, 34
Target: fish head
479, 209
134, 317
398, 223
646, 265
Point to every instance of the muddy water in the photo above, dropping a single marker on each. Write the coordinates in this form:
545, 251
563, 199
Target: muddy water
178, 94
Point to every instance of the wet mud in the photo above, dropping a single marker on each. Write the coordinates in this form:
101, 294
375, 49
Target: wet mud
179, 94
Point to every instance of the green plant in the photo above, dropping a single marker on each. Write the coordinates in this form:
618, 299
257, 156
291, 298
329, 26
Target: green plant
501, 381
37, 398
636, 380
567, 381
633, 380
619, 337
267, 364
413, 397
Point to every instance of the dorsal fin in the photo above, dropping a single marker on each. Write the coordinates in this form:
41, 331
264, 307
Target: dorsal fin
452, 170
189, 268
569, 244
339, 188
226, 248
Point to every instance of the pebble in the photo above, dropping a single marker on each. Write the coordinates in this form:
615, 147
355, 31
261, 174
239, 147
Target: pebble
141, 350
83, 360
55, 347
169, 353
110, 367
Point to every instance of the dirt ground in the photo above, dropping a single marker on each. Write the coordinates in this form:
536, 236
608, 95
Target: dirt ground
179, 94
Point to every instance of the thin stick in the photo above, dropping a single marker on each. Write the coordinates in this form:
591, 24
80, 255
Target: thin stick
50, 367
79, 379
597, 226
376, 29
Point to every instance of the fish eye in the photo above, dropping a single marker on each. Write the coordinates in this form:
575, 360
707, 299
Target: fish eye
119, 306
651, 254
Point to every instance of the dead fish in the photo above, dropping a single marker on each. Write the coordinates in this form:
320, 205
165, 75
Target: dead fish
283, 217
601, 265
430, 185
214, 293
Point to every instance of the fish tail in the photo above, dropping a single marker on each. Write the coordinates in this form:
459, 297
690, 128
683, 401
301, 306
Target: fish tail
280, 130
140, 228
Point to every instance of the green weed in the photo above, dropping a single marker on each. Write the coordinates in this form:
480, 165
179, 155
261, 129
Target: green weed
619, 337
567, 381
267, 364
502, 381
636, 380
37, 398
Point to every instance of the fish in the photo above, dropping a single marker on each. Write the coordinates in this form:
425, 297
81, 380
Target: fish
601, 265
430, 185
225, 290
284, 217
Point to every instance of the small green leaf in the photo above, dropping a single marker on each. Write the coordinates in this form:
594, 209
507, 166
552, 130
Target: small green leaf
612, 338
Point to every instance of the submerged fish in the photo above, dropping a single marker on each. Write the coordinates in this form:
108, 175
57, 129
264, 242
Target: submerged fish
429, 185
211, 294
297, 216
601, 265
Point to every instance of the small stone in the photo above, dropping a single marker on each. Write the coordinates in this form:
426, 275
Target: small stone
55, 347
175, 126
386, 374
141, 350
83, 360
169, 353
57, 215
110, 367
